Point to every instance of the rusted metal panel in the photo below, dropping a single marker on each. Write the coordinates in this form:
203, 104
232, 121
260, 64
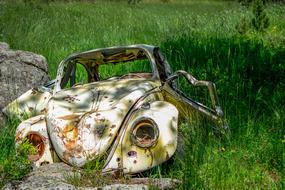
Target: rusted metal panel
82, 124
35, 131
149, 139
33, 102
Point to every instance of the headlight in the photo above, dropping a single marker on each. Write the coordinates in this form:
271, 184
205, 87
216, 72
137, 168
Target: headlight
37, 141
144, 132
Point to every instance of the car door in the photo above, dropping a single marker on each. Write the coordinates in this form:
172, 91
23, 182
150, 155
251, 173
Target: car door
190, 109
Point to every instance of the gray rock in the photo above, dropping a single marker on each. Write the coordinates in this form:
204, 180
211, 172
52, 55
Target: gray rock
53, 176
19, 72
46, 177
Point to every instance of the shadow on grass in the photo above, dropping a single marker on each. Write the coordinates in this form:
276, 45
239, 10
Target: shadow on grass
250, 79
245, 71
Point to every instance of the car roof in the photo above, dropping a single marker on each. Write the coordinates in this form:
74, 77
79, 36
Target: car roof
112, 54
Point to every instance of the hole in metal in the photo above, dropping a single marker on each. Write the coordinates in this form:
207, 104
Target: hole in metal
132, 153
145, 133
37, 141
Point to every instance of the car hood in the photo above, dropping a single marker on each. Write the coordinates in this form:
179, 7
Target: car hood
83, 121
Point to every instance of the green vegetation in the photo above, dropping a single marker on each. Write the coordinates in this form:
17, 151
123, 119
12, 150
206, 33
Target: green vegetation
260, 21
13, 165
201, 37
91, 174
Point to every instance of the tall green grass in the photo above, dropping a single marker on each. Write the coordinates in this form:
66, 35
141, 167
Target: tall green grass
250, 80
13, 165
201, 38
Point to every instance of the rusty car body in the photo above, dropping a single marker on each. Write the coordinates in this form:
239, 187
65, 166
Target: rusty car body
122, 102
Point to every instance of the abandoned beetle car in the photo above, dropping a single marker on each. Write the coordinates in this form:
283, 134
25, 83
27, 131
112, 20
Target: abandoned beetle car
122, 102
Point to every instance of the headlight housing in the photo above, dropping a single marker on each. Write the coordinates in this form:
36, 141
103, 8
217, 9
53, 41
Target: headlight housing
144, 132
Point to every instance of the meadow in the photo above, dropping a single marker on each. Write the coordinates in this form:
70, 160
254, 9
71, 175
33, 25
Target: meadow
201, 37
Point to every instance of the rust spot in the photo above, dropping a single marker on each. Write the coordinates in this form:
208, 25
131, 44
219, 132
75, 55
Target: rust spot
70, 134
73, 131
33, 157
88, 126
110, 135
70, 99
70, 144
43, 110
97, 114
113, 126
77, 151
99, 129
99, 119
31, 109
105, 96
38, 142
74, 152
135, 161
34, 91
132, 153
117, 174
118, 159
66, 155
18, 136
67, 128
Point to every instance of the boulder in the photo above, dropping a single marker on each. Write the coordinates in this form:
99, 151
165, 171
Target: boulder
49, 176
55, 176
19, 72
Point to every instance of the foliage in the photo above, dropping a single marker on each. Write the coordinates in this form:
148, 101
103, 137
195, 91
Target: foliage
260, 21
250, 85
243, 26
13, 164
133, 2
248, 2
165, 1
90, 175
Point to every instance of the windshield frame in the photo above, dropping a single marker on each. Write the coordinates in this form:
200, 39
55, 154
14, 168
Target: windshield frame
147, 50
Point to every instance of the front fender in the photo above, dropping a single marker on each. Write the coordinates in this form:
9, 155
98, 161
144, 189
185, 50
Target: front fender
133, 158
32, 102
35, 131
